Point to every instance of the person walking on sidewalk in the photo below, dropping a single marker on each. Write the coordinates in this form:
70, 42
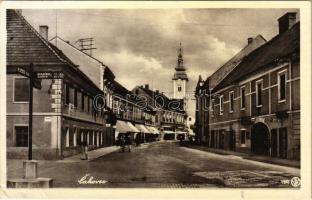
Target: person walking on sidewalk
128, 142
84, 151
122, 143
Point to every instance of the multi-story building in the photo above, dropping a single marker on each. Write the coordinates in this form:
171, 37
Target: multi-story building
170, 114
256, 107
63, 111
133, 116
203, 88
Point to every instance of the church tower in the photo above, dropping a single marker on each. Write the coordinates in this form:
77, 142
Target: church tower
180, 78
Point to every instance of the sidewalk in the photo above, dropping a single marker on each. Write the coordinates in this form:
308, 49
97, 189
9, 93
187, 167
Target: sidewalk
15, 166
266, 159
92, 155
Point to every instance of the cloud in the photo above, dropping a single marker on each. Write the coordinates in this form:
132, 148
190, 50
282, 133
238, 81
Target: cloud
133, 70
140, 45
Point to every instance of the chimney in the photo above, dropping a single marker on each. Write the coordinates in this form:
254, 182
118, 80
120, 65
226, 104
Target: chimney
43, 31
286, 21
250, 39
146, 86
157, 91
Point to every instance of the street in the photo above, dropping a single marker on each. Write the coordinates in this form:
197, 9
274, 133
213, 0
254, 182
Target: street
164, 165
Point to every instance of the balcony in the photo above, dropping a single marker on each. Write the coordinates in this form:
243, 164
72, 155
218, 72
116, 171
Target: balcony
81, 115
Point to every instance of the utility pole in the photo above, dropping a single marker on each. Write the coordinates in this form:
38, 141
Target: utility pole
31, 85
86, 44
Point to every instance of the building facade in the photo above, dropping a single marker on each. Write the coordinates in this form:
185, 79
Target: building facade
256, 107
169, 113
63, 111
204, 87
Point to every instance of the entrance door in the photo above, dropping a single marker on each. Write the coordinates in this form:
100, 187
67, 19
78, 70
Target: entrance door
283, 142
260, 139
212, 142
232, 140
221, 140
274, 142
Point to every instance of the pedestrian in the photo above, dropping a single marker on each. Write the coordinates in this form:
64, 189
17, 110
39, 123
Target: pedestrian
137, 140
122, 143
128, 142
84, 150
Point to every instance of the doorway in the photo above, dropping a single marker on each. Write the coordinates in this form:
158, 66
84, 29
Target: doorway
260, 139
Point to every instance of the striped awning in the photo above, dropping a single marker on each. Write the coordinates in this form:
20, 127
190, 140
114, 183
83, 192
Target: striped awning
133, 128
154, 129
122, 127
142, 128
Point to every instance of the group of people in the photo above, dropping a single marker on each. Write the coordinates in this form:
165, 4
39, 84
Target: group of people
125, 142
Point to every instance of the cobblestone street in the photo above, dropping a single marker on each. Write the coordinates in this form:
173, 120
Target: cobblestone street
164, 165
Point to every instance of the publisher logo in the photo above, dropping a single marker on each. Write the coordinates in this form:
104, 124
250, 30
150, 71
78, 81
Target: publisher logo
295, 181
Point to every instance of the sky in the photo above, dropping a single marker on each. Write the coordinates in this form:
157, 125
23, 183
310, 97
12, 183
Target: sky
141, 45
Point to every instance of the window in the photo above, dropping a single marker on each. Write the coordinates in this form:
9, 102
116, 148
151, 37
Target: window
21, 90
190, 119
259, 93
88, 100
243, 98
179, 88
243, 137
212, 107
75, 98
66, 94
231, 101
82, 102
221, 104
282, 86
21, 136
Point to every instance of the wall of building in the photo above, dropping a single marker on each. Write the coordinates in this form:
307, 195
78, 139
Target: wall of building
227, 122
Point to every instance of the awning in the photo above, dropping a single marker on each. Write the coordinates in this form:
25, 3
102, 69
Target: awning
134, 130
122, 127
168, 132
181, 132
142, 128
150, 129
154, 129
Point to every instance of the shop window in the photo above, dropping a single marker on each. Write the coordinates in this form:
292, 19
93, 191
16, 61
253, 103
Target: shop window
21, 136
21, 90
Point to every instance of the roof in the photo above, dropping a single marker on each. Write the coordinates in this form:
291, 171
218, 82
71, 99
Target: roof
26, 45
279, 47
120, 89
89, 65
226, 68
169, 104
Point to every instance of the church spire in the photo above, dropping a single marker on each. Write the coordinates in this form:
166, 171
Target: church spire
180, 69
180, 59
